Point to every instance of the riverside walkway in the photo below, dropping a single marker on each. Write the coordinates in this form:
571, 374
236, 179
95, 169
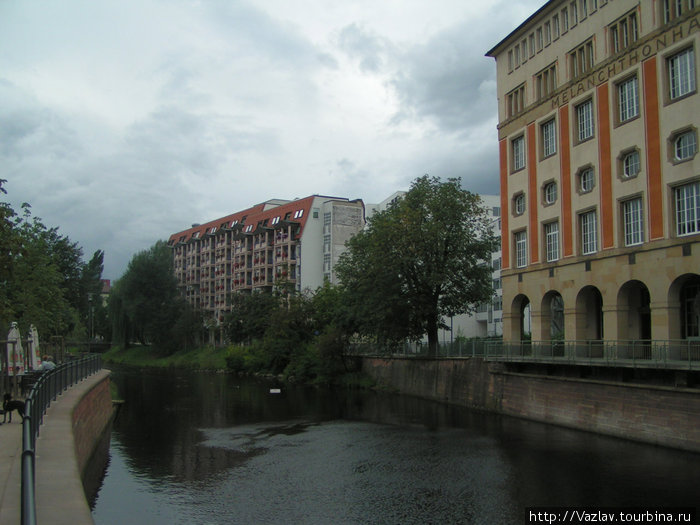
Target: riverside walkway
59, 489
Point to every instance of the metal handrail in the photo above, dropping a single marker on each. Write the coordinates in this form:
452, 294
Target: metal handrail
673, 354
46, 389
641, 353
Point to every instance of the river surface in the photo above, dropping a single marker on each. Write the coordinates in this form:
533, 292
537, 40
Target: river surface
204, 448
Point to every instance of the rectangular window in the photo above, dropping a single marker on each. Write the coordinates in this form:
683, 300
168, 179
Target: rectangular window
547, 33
589, 233
555, 26
565, 20
681, 73
688, 209
549, 138
498, 303
523, 46
521, 249
672, 9
518, 153
574, 14
628, 99
540, 42
581, 59
551, 235
517, 55
624, 32
532, 44
584, 120
633, 221
515, 101
546, 81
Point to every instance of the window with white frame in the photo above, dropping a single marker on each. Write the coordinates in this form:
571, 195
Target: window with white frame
586, 180
549, 138
584, 120
518, 145
546, 81
631, 164
684, 145
551, 235
515, 101
681, 73
520, 249
550, 193
589, 233
581, 59
687, 198
632, 220
519, 204
673, 9
624, 32
628, 99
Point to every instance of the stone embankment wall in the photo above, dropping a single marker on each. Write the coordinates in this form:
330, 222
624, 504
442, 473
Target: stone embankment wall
653, 414
92, 418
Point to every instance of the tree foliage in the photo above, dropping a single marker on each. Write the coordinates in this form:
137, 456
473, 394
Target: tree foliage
145, 305
418, 261
43, 278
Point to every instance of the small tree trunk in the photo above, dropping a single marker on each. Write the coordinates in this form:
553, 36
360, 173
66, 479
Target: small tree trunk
432, 337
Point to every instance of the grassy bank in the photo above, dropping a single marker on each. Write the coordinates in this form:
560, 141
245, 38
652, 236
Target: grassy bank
206, 358
211, 358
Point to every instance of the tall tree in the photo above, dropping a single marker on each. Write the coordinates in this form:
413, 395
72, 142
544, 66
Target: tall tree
145, 304
418, 261
41, 275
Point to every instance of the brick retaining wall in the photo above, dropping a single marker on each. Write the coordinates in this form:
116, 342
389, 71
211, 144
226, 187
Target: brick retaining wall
91, 418
653, 414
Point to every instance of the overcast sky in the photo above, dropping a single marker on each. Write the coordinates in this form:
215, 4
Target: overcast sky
122, 122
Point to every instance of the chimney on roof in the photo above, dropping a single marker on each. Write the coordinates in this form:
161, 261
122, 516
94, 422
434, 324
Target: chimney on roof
196, 224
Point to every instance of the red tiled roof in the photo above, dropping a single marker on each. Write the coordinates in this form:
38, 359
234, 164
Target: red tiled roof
253, 216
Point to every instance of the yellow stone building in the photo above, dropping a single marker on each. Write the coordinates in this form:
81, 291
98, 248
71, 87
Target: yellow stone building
600, 176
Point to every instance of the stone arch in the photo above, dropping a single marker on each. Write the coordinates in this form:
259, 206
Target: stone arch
589, 314
552, 316
684, 307
634, 312
521, 328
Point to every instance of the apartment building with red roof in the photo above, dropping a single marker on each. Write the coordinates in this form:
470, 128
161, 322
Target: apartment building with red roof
256, 248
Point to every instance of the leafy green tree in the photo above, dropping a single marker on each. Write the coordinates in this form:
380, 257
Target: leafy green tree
145, 304
43, 279
250, 316
418, 261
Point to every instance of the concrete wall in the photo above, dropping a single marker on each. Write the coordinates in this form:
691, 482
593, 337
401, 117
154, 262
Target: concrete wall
653, 414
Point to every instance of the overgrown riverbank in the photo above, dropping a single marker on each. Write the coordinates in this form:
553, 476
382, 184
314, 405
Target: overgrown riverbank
230, 359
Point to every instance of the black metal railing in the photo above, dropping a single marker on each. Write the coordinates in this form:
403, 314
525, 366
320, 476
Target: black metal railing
670, 354
46, 389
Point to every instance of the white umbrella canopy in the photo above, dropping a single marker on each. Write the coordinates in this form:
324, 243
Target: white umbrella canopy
33, 352
15, 352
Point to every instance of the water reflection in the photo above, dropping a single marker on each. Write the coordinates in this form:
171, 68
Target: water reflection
207, 448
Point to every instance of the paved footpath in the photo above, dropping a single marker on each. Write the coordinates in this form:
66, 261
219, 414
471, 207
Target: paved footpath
59, 490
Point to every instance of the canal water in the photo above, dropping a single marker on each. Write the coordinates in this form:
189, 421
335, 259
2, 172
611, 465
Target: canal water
205, 448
